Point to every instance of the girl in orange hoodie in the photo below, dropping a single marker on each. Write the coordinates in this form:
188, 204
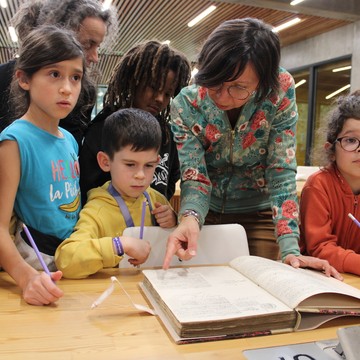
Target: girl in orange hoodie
329, 195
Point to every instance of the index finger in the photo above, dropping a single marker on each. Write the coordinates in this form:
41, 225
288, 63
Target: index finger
170, 252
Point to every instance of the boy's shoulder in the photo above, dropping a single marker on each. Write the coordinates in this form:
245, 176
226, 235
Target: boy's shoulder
99, 193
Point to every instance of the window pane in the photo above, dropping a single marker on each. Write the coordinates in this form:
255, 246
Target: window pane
302, 94
101, 90
330, 85
322, 94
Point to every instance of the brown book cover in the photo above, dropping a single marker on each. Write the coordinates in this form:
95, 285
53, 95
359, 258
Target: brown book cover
250, 296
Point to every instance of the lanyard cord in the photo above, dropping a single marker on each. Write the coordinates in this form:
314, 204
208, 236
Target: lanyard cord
124, 209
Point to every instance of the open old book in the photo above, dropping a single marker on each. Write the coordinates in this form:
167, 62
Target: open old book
251, 296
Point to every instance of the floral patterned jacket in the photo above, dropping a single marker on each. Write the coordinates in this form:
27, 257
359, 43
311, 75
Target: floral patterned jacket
244, 169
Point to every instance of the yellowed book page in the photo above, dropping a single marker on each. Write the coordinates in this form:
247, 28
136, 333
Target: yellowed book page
290, 285
211, 293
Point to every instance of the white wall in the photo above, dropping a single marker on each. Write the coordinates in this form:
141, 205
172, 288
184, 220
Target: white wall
340, 42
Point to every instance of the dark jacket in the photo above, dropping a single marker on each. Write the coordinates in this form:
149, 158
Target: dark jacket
166, 175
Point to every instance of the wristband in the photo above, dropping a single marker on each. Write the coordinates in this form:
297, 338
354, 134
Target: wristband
118, 246
192, 213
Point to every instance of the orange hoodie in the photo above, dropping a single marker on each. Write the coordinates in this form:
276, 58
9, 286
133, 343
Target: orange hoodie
326, 231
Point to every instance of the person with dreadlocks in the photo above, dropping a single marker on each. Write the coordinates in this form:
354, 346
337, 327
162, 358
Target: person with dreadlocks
147, 77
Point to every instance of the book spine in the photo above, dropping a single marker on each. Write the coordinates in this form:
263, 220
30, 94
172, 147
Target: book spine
229, 337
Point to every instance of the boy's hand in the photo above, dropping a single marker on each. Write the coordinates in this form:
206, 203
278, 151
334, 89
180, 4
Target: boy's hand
138, 250
164, 215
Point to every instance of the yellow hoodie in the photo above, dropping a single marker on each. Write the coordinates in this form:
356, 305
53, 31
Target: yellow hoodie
90, 247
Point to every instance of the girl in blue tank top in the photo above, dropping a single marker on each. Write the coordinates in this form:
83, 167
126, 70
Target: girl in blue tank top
39, 170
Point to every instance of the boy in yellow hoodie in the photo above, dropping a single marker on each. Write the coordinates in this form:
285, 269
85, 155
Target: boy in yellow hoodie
131, 141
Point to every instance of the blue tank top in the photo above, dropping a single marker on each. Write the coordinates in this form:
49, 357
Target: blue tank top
48, 196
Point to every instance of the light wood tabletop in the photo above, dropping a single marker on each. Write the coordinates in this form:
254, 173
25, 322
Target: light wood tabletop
114, 330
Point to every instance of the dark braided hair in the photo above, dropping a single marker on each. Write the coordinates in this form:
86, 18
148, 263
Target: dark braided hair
146, 64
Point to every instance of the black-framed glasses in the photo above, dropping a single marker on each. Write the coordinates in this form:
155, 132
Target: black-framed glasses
348, 143
235, 91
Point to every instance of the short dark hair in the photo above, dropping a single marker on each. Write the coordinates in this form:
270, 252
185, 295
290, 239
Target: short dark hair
231, 46
44, 46
134, 127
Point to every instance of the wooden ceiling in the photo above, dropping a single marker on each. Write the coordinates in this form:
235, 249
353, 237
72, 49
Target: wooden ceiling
141, 20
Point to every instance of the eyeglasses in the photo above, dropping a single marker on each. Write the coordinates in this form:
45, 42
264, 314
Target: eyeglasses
235, 91
348, 143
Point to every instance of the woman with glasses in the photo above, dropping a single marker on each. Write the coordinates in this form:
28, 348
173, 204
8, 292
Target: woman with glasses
331, 194
235, 133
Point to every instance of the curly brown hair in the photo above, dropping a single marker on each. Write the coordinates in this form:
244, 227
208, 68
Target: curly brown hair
345, 107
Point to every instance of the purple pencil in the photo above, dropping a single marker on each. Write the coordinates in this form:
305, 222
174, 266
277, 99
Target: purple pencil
352, 217
37, 252
143, 211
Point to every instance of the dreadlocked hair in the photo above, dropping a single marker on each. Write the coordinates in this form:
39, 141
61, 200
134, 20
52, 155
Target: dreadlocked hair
146, 64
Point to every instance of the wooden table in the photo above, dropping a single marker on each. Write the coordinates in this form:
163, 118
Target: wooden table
114, 330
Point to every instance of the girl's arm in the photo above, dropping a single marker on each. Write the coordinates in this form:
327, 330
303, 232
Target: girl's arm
38, 289
319, 230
